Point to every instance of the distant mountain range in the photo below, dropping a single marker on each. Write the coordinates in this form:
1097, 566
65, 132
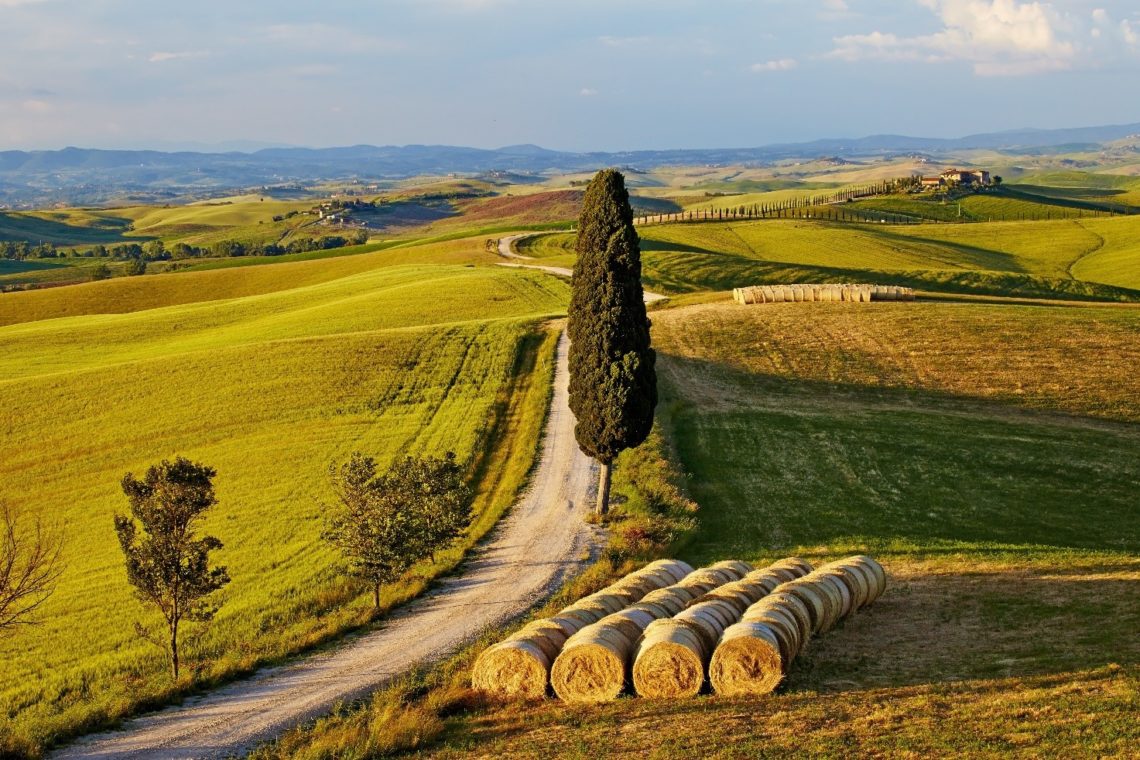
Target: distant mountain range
85, 175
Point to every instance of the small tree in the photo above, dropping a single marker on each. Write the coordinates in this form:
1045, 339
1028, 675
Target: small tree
100, 271
168, 565
135, 267
613, 381
29, 567
386, 523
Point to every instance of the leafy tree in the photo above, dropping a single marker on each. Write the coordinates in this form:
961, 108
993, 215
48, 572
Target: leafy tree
168, 564
155, 250
100, 271
29, 567
135, 267
386, 523
613, 382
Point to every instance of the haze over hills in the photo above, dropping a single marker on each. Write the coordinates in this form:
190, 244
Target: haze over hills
83, 175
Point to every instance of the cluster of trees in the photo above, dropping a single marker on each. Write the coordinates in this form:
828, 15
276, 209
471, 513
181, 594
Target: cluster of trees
383, 524
156, 250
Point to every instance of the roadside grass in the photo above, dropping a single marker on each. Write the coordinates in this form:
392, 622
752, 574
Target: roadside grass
269, 389
1001, 503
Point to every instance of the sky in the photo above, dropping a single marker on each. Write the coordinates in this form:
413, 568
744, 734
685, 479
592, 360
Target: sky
564, 74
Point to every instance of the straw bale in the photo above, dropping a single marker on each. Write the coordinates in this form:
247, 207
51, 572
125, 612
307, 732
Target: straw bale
747, 662
670, 662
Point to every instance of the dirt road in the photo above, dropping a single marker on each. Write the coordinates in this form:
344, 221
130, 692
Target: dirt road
541, 541
506, 250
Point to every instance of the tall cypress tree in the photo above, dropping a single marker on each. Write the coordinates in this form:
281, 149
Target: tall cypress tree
613, 382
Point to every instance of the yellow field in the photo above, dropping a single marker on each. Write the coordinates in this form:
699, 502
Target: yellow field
270, 389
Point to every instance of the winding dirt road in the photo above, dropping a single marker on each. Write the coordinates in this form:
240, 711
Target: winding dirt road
507, 251
531, 552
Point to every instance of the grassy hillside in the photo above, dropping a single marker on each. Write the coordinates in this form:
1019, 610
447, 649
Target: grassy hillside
986, 454
210, 283
1015, 258
269, 388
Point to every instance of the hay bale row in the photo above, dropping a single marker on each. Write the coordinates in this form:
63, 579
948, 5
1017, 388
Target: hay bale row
673, 654
519, 666
754, 655
594, 663
817, 293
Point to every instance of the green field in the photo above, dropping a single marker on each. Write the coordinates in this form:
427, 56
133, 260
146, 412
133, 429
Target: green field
1074, 258
993, 473
292, 370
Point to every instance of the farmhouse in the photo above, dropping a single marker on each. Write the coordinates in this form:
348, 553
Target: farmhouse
966, 176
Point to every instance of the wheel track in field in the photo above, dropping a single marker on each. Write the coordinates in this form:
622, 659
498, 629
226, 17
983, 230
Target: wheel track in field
532, 551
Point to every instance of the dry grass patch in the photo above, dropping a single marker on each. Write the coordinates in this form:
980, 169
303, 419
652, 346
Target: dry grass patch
1071, 360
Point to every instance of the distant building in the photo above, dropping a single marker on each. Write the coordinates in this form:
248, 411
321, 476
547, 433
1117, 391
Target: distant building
933, 182
966, 176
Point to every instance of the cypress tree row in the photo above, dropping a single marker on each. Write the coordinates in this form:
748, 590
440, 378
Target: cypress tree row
613, 382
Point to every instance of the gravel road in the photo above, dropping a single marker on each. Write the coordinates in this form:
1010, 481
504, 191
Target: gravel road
534, 549
507, 251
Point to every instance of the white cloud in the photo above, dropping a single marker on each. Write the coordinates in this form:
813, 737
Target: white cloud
834, 10
587, 92
162, 56
37, 106
783, 64
999, 37
1130, 34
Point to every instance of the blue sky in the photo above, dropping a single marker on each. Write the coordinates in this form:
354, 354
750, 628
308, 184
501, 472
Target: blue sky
574, 75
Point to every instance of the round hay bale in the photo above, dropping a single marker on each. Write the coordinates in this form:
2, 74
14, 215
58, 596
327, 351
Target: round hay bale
592, 666
512, 669
655, 609
670, 599
791, 605
786, 574
798, 295
786, 631
568, 624
583, 616
747, 661
856, 583
669, 665
812, 599
674, 567
799, 566
832, 600
875, 569
707, 628
843, 600
861, 575
736, 566
630, 623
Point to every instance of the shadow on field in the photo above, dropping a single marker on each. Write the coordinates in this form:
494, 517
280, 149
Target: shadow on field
939, 624
684, 269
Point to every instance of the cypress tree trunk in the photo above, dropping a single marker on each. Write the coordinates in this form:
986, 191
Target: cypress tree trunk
603, 505
613, 382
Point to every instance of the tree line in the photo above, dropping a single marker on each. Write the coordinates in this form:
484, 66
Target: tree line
156, 250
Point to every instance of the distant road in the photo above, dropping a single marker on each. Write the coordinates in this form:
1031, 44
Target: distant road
534, 549
506, 250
